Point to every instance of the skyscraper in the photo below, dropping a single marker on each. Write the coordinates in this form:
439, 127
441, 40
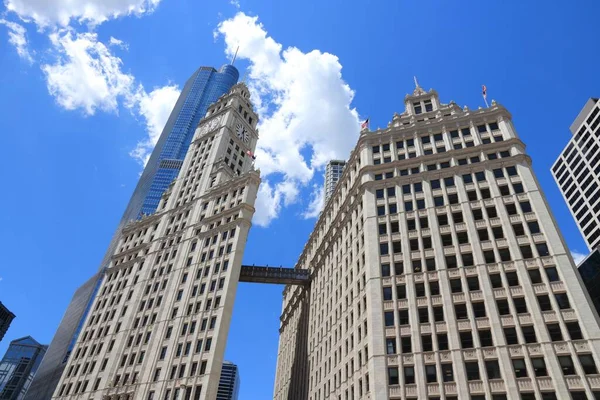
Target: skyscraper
589, 269
229, 383
18, 366
438, 272
577, 172
333, 172
6, 318
202, 89
158, 327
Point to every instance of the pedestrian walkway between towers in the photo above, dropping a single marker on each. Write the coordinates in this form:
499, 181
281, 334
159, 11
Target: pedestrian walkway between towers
278, 275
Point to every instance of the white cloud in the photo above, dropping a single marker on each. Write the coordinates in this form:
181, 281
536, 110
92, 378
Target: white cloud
86, 75
47, 13
155, 107
268, 204
316, 203
17, 37
577, 256
235, 3
119, 43
304, 104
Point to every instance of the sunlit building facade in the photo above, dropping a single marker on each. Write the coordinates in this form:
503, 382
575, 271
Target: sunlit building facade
201, 90
438, 272
159, 324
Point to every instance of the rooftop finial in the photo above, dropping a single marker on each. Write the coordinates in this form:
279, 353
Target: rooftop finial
418, 89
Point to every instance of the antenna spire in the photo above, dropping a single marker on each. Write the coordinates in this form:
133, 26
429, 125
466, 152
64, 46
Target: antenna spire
235, 55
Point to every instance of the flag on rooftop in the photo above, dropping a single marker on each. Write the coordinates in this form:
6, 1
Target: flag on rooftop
251, 154
365, 124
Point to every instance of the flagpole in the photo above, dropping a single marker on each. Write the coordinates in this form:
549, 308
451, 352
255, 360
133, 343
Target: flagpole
486, 103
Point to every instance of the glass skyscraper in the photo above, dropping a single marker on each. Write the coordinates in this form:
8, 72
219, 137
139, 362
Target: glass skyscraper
18, 366
6, 318
202, 89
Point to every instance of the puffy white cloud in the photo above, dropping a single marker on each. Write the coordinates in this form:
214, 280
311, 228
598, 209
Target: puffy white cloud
304, 104
17, 37
155, 107
86, 75
268, 204
47, 13
316, 203
577, 256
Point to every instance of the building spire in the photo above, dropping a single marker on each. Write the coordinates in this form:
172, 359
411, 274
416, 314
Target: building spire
416, 83
235, 55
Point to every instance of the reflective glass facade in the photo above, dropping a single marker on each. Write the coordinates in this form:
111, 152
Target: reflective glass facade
18, 366
206, 86
589, 269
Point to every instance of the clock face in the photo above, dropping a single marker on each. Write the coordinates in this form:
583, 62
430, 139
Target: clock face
242, 132
210, 125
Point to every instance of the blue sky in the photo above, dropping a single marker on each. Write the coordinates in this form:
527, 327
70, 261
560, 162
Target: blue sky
76, 103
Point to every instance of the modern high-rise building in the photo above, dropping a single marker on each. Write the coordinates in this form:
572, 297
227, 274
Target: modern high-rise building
18, 366
202, 89
589, 269
438, 272
6, 318
333, 172
229, 383
577, 172
158, 327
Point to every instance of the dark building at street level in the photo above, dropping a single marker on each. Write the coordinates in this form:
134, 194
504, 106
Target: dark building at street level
6, 318
201, 90
589, 269
18, 366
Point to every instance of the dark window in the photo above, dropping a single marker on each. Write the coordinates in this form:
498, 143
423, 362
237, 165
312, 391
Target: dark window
379, 193
430, 373
539, 366
389, 318
479, 309
493, 369
387, 293
455, 285
473, 283
409, 375
423, 315
401, 291
472, 371
393, 378
485, 337
461, 311
544, 302
563, 301
403, 317
447, 373
510, 334
554, 332
588, 364
529, 334
385, 269
442, 340
406, 344
520, 305
503, 308
496, 280
427, 343
520, 368
552, 274
526, 252
566, 364
535, 275
574, 330
466, 340
438, 314
512, 278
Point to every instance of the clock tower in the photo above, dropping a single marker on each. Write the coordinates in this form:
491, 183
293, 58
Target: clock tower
175, 273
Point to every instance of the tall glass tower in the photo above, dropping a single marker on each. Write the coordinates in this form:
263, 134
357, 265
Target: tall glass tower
203, 88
